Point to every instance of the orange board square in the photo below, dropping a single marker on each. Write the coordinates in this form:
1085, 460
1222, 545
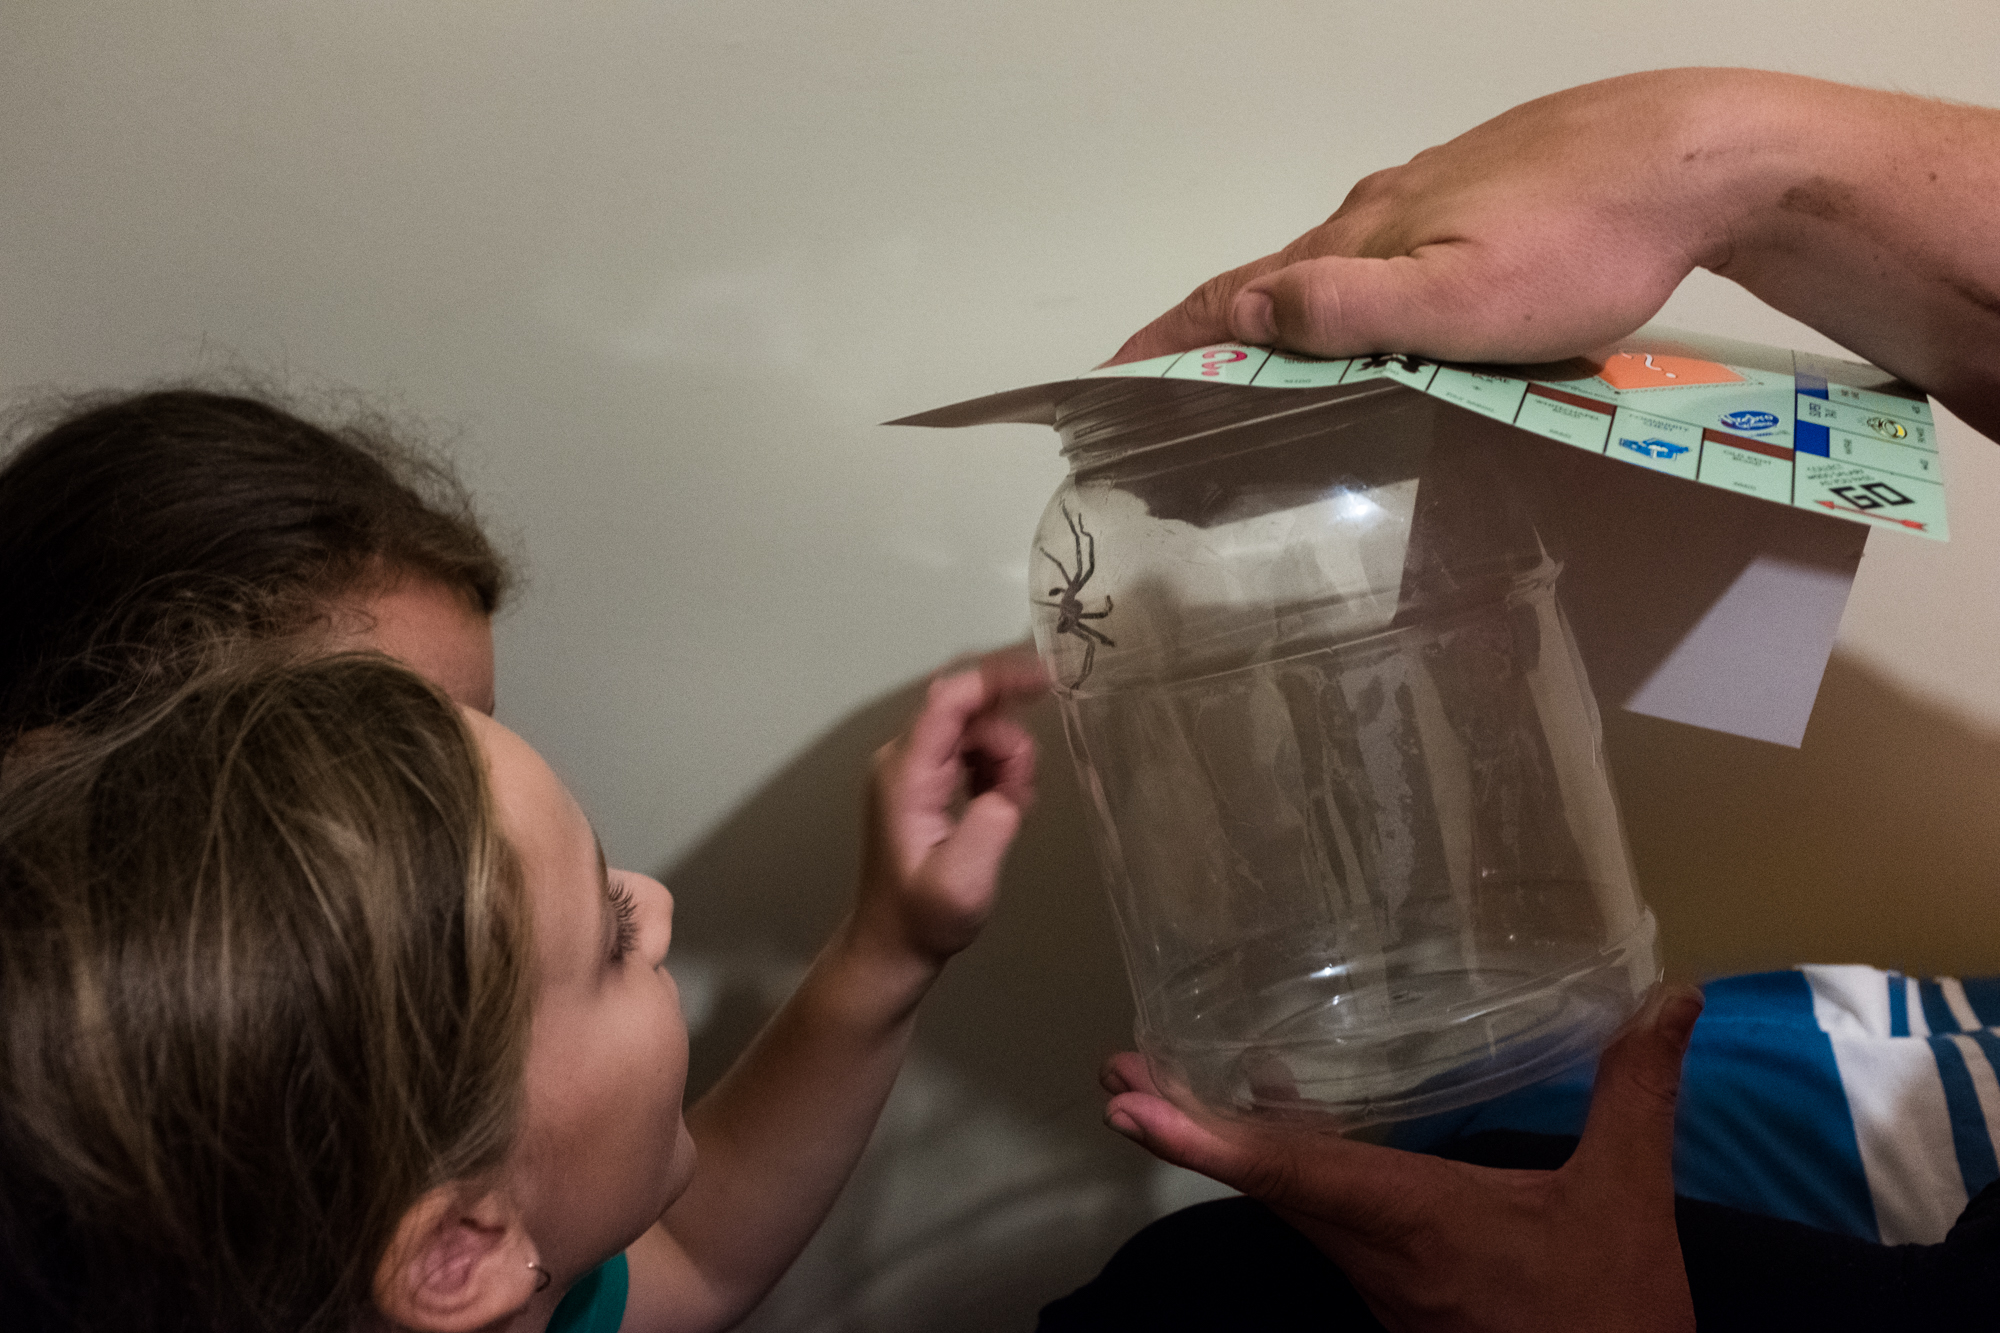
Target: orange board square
1658, 370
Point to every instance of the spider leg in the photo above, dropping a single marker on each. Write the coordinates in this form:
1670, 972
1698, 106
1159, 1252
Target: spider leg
1076, 534
1086, 551
1089, 660
1096, 615
1094, 636
1058, 564
1036, 601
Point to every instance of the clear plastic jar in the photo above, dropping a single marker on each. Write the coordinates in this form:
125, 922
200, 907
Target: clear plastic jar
1347, 774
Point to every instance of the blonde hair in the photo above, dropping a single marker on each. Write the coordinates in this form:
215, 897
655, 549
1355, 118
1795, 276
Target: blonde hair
264, 980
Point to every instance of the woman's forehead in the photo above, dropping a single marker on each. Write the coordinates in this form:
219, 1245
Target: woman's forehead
430, 627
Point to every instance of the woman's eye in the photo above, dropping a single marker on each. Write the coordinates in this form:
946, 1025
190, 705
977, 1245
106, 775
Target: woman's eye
625, 908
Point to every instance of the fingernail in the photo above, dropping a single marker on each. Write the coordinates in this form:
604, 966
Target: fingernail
1124, 1124
1252, 318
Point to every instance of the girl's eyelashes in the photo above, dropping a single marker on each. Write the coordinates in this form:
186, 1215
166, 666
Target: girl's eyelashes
625, 909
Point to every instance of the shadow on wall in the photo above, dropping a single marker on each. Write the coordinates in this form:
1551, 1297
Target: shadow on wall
1028, 1013
1875, 842
991, 1186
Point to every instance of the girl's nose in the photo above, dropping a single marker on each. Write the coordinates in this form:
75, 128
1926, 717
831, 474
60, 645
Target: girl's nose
646, 886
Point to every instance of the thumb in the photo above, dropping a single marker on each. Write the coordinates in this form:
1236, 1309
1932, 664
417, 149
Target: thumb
1201, 318
1428, 302
1629, 1136
1305, 1169
973, 852
1170, 1134
1451, 300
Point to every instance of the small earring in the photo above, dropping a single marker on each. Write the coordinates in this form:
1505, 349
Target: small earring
541, 1282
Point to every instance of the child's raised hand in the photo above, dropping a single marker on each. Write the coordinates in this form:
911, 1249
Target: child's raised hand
944, 805
780, 1132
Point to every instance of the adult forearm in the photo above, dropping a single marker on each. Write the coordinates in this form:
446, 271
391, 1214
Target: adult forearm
1875, 218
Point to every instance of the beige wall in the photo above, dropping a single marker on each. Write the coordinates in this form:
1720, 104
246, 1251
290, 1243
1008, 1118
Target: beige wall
663, 266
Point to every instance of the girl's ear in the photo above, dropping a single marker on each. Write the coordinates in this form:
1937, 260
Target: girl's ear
460, 1259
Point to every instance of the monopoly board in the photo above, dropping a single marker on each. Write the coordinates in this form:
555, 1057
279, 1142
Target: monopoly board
1812, 432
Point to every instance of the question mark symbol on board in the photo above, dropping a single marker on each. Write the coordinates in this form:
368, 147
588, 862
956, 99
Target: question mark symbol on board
1214, 361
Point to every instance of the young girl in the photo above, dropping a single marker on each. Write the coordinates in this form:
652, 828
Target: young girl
319, 1009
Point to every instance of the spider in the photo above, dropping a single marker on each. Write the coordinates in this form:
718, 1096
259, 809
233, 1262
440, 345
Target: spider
1070, 614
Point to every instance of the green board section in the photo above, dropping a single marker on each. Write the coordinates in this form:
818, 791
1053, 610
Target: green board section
1835, 437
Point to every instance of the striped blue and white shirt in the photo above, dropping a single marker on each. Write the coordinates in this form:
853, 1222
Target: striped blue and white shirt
1856, 1100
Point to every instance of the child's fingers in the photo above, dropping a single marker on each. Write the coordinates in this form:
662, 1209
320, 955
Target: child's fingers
971, 856
953, 703
949, 705
1001, 756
